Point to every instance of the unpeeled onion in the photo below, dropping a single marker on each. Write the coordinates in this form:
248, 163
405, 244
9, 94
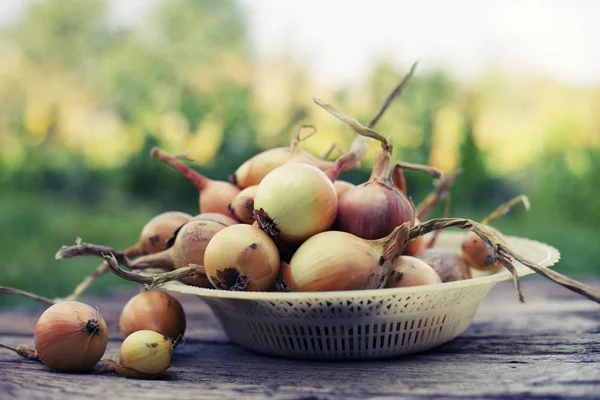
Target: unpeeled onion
475, 251
410, 271
157, 231
144, 355
188, 248
253, 171
242, 257
153, 310
336, 260
372, 210
294, 202
449, 265
216, 217
242, 207
70, 337
215, 196
342, 187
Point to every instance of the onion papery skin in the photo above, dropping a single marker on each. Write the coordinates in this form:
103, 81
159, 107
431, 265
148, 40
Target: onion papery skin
153, 310
223, 219
145, 354
188, 247
476, 253
410, 271
159, 229
215, 198
342, 187
253, 171
449, 265
333, 260
70, 337
298, 201
242, 207
372, 210
242, 257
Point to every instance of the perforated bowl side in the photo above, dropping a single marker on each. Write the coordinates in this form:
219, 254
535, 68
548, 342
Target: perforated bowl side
359, 324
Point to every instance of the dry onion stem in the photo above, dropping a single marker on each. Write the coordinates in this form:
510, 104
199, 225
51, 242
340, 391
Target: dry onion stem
151, 281
17, 292
441, 192
360, 145
505, 255
395, 93
86, 249
431, 171
24, 351
115, 258
505, 208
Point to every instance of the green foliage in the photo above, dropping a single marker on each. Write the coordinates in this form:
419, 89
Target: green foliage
191, 61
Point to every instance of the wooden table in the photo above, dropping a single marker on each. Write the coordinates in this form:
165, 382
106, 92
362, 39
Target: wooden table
546, 348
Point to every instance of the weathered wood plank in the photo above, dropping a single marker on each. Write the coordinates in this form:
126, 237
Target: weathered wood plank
549, 347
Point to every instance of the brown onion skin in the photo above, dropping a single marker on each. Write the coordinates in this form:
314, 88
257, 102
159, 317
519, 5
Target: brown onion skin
242, 207
188, 248
410, 271
476, 253
253, 171
387, 206
158, 230
215, 196
333, 260
242, 257
342, 187
153, 310
223, 219
449, 265
68, 354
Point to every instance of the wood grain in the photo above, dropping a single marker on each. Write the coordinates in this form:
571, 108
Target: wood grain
546, 348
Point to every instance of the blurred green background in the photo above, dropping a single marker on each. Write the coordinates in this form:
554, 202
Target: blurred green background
82, 101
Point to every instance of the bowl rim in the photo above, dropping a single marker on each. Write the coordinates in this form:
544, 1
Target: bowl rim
553, 257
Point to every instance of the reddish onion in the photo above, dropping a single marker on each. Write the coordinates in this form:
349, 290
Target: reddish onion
342, 187
474, 250
215, 196
372, 210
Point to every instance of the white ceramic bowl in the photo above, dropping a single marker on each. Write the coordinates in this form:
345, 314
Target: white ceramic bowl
360, 324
